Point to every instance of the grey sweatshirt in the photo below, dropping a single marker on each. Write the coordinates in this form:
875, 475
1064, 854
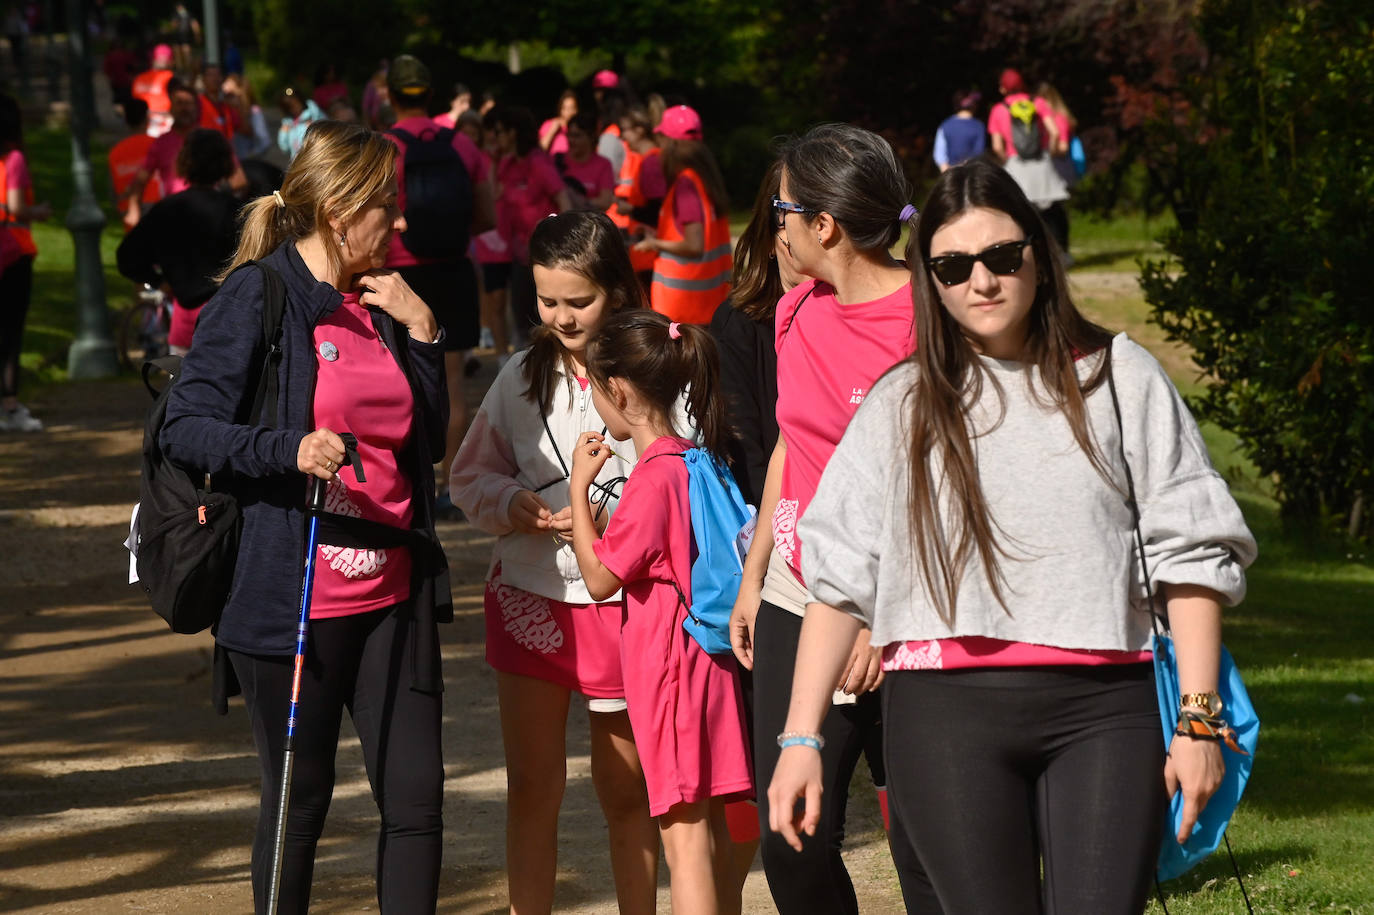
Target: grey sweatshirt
1072, 577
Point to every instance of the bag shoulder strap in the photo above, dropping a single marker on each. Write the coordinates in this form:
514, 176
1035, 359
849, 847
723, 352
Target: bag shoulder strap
267, 352
1159, 614
793, 316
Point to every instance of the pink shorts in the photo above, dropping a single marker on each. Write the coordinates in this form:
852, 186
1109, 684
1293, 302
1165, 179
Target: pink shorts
183, 325
573, 645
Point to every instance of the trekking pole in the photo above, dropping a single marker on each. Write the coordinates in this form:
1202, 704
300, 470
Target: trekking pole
312, 538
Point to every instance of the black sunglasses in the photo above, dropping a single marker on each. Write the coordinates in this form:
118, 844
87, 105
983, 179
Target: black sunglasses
1003, 260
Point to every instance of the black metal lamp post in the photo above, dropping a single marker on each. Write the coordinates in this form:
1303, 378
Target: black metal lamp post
92, 353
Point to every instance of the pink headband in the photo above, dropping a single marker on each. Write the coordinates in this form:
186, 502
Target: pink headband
674, 331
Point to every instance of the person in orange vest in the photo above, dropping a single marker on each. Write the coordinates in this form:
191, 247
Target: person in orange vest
17, 253
640, 190
151, 86
693, 259
127, 157
215, 113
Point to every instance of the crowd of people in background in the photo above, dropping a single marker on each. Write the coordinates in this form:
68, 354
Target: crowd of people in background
589, 252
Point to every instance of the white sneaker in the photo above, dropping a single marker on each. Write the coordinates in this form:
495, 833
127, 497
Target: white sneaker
19, 420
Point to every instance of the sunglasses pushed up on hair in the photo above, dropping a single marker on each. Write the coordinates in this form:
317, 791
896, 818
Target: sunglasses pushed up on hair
1003, 260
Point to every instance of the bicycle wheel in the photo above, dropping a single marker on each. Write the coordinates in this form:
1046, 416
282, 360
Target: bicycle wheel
142, 333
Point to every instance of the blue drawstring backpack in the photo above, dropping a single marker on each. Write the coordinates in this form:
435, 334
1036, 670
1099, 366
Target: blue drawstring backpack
720, 517
1174, 859
1210, 829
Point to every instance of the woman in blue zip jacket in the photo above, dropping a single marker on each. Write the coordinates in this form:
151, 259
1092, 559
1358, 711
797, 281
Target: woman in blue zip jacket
359, 352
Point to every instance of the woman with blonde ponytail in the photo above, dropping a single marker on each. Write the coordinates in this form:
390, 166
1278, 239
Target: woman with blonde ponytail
359, 352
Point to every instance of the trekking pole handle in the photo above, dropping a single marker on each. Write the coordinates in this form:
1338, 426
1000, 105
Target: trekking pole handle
351, 455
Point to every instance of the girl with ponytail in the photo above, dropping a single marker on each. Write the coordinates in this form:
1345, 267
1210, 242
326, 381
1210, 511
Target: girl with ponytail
685, 705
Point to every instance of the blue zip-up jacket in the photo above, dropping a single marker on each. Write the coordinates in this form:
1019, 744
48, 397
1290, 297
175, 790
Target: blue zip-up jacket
205, 429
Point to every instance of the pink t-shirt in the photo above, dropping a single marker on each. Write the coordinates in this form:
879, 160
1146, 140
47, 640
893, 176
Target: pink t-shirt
162, 161
491, 247
529, 191
685, 705
362, 390
16, 172
651, 179
687, 205
999, 120
560, 139
594, 172
446, 120
828, 358
980, 651
397, 255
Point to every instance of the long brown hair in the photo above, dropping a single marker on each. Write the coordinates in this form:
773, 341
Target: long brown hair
756, 284
679, 155
588, 244
950, 378
339, 168
637, 346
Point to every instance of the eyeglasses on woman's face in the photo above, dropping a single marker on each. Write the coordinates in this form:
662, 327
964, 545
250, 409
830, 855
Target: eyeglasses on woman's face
782, 207
1003, 259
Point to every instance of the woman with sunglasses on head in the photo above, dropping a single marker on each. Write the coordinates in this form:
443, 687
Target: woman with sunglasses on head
1019, 707
841, 205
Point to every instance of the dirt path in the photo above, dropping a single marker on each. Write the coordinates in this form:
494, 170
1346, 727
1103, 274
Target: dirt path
121, 790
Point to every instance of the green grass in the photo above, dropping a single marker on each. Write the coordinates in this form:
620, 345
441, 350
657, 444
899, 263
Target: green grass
51, 325
1115, 244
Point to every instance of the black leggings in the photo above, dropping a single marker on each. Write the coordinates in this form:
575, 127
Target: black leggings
359, 663
16, 290
815, 879
996, 771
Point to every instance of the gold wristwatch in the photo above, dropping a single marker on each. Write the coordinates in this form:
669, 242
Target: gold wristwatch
1209, 701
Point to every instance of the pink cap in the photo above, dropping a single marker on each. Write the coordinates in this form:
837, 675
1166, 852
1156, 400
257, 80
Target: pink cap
1011, 81
680, 123
605, 79
162, 54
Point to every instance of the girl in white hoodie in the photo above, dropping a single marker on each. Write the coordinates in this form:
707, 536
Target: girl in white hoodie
546, 637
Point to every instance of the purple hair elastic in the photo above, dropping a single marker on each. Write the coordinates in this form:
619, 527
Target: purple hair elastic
908, 211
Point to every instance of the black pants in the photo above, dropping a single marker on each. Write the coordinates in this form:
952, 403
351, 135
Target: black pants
815, 879
524, 305
996, 771
16, 289
359, 663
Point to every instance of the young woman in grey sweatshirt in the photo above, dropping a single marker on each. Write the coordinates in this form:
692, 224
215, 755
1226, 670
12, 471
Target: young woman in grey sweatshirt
974, 517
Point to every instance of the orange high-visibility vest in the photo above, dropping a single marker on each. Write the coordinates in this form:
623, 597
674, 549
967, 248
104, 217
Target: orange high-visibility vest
19, 231
689, 289
624, 186
126, 158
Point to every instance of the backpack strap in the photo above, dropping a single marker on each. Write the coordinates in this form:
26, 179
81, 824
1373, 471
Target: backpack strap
269, 346
404, 136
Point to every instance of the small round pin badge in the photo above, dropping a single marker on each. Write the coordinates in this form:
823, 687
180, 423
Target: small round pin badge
328, 351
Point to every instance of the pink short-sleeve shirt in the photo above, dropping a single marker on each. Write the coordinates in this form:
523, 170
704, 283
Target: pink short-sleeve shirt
829, 355
685, 706
362, 390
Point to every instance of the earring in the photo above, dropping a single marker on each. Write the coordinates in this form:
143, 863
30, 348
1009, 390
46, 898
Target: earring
342, 239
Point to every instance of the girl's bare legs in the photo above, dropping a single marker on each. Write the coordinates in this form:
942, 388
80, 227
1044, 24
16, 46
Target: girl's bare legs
534, 719
724, 861
694, 852
619, 782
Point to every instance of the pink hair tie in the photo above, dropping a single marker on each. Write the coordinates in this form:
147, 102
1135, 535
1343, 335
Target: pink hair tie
674, 331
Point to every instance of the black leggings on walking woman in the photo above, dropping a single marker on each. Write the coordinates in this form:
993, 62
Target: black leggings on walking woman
996, 771
815, 879
360, 663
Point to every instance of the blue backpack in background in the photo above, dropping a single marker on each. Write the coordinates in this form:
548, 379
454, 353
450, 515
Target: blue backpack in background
722, 522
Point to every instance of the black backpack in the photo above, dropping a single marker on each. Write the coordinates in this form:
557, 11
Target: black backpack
187, 530
1027, 129
438, 195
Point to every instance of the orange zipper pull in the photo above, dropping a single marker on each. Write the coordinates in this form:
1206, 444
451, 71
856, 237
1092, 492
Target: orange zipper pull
200, 513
